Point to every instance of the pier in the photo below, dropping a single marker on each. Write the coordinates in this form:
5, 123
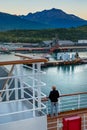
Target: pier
51, 63
44, 49
51, 49
61, 62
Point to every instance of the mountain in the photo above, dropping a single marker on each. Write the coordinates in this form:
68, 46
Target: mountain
55, 18
13, 22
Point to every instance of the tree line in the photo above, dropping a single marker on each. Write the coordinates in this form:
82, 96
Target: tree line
35, 36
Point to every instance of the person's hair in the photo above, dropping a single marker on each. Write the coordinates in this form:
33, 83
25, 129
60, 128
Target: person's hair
53, 87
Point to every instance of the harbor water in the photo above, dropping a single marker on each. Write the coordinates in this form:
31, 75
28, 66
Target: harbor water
67, 78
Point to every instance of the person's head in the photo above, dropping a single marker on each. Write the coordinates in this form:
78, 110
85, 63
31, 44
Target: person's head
53, 87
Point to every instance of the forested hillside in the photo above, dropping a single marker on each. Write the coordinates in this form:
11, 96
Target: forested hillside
27, 36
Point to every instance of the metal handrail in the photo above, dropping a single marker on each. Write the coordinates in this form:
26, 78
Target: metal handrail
69, 102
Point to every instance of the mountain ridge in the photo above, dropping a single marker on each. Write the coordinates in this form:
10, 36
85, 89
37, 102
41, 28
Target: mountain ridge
56, 18
46, 19
54, 11
13, 22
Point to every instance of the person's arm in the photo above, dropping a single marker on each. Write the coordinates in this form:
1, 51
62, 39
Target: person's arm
58, 95
45, 99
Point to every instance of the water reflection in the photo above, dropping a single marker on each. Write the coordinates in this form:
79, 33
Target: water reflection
66, 68
72, 68
68, 79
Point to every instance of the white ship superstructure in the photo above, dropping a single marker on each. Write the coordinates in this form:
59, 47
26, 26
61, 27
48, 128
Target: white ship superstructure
20, 102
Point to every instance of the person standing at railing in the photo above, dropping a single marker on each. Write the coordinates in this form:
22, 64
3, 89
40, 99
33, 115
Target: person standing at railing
53, 96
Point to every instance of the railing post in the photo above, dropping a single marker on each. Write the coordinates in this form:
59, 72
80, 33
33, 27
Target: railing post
39, 87
59, 124
7, 93
78, 101
33, 72
20, 73
59, 105
84, 121
16, 84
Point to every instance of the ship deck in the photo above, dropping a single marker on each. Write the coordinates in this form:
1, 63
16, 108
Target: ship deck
15, 110
56, 123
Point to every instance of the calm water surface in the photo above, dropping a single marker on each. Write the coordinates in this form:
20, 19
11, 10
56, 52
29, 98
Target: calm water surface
68, 79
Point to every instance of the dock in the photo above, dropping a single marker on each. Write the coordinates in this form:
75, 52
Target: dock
51, 63
61, 63
84, 60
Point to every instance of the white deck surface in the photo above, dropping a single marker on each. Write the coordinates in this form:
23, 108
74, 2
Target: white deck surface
9, 111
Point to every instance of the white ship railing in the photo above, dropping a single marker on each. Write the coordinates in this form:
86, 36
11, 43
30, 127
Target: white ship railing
84, 122
19, 86
69, 102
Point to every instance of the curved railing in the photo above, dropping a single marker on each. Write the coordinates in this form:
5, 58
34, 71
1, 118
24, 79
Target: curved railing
69, 102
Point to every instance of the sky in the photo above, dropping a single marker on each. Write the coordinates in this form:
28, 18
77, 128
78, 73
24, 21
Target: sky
23, 7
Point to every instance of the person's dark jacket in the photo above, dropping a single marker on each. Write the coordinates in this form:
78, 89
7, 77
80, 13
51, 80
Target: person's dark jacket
54, 95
